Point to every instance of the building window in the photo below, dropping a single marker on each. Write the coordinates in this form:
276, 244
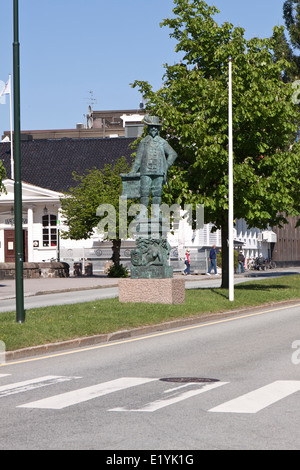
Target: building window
49, 230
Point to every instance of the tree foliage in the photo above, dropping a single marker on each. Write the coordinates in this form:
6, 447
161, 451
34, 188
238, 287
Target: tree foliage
193, 104
288, 46
287, 42
2, 177
291, 14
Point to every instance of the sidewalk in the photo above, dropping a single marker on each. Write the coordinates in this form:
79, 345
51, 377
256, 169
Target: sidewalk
51, 285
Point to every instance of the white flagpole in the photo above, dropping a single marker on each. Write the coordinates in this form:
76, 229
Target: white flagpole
230, 201
11, 134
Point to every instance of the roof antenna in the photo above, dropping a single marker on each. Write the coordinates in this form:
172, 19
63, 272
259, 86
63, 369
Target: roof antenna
89, 116
91, 98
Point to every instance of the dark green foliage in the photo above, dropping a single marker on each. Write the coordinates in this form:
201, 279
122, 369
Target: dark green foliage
118, 271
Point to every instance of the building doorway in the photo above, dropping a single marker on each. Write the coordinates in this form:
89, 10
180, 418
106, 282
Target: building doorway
9, 246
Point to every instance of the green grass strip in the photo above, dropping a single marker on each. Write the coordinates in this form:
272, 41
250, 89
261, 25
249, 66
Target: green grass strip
65, 322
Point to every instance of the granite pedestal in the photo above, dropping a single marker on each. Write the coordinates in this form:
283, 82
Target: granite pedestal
155, 291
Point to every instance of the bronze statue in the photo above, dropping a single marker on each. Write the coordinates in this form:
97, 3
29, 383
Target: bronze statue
153, 158
150, 169
148, 176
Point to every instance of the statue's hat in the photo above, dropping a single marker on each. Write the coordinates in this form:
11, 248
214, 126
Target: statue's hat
152, 120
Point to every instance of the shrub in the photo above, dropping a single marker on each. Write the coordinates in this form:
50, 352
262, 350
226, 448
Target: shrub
219, 259
117, 271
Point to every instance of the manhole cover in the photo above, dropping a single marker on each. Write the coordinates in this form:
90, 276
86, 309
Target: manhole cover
188, 380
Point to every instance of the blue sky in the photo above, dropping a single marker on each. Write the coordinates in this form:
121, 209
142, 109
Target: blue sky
70, 47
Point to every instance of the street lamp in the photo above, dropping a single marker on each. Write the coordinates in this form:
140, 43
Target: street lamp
20, 312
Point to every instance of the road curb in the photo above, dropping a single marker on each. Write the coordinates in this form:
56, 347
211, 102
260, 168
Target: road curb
78, 343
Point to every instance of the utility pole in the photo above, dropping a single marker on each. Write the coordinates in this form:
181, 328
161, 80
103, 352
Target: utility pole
230, 190
20, 312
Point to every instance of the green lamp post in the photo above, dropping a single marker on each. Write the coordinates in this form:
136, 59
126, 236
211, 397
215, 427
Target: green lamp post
20, 312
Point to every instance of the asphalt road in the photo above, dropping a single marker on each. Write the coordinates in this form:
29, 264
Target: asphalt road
233, 383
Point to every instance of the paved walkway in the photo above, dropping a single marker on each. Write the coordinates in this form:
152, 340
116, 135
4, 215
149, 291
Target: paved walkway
52, 285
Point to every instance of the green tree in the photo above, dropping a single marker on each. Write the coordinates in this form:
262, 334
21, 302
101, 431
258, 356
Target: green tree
288, 45
291, 14
2, 177
193, 105
288, 41
93, 189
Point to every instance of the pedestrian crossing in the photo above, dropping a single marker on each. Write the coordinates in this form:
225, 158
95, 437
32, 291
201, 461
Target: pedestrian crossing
250, 403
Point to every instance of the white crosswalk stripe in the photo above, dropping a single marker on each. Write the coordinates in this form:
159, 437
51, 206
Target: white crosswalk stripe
64, 400
158, 404
4, 375
26, 385
259, 399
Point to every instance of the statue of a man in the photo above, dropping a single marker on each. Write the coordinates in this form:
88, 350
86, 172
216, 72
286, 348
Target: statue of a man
153, 159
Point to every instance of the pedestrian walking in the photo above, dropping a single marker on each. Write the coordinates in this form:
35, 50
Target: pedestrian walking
241, 261
187, 263
212, 260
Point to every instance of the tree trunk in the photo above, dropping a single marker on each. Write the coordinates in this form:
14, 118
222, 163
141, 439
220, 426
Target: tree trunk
225, 253
116, 252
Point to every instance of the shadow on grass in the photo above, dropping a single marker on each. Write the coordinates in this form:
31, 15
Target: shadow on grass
240, 287
260, 287
218, 292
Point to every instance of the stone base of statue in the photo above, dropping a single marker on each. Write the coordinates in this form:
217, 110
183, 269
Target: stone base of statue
154, 291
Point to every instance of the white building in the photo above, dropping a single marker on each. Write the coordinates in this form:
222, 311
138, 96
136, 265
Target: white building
40, 209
